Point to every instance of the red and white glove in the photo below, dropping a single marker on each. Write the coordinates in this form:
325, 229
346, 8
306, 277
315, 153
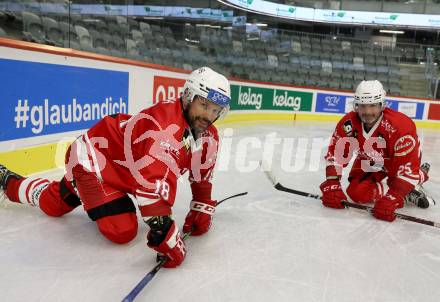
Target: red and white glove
332, 194
384, 208
199, 218
173, 247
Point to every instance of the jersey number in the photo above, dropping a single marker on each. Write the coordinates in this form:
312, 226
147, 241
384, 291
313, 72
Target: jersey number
405, 169
163, 189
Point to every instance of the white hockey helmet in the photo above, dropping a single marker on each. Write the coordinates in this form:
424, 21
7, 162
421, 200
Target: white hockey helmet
210, 85
369, 92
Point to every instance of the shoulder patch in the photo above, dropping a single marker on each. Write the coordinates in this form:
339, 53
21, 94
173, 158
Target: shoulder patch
404, 145
348, 127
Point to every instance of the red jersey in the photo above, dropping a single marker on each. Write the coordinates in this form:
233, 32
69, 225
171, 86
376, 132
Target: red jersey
391, 146
144, 155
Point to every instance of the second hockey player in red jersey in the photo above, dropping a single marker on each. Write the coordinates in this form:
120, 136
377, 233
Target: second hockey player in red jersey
142, 156
386, 147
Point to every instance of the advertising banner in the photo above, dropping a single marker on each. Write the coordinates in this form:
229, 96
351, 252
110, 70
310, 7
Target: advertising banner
412, 109
434, 112
165, 88
338, 16
39, 98
258, 98
331, 103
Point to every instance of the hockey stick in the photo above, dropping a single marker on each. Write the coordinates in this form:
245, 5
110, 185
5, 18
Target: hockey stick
145, 280
347, 204
233, 196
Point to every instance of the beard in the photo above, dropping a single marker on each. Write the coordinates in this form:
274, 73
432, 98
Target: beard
199, 124
369, 119
196, 123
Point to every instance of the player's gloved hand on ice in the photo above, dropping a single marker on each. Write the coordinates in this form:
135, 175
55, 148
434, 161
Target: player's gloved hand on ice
332, 194
199, 218
384, 208
166, 240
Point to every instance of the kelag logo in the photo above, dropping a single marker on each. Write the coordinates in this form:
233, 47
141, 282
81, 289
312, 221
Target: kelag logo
165, 88
261, 98
332, 103
45, 98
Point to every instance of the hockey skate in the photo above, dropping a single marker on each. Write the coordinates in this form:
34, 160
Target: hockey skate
418, 196
5, 174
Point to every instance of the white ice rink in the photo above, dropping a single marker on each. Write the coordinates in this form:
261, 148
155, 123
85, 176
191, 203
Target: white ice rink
266, 246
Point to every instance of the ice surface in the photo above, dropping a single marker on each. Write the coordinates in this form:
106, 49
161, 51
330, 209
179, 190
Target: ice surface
266, 246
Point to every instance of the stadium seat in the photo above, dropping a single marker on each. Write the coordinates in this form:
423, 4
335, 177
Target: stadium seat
347, 85
420, 54
334, 84
409, 53
102, 50
72, 44
98, 40
369, 59
359, 76
382, 69
117, 53
54, 35
101, 26
68, 31
83, 35
314, 72
144, 27
131, 47
32, 28
394, 90
86, 46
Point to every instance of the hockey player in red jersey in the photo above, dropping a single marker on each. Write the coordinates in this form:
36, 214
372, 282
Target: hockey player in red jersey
142, 156
386, 146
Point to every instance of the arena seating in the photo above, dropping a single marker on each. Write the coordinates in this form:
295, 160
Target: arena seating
277, 56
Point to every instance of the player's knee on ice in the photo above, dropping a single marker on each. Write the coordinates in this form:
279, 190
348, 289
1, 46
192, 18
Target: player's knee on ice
364, 191
121, 228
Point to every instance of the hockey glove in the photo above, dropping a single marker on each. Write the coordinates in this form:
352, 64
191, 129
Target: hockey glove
199, 218
332, 194
385, 207
172, 245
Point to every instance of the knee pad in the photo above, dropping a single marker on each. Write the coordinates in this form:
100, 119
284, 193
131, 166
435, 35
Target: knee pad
364, 191
67, 193
116, 219
120, 228
114, 207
